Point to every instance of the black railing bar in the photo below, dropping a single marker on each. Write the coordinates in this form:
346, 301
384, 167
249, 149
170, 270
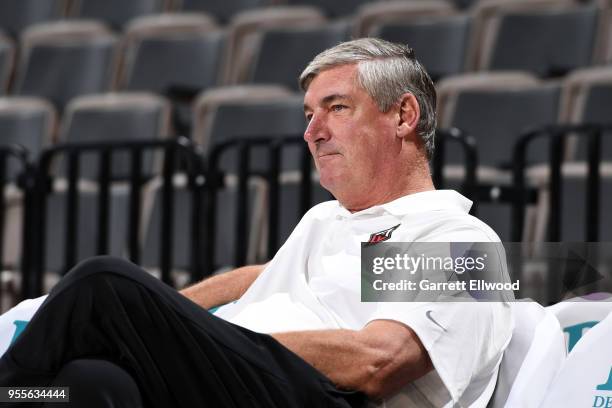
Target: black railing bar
134, 204
167, 233
555, 204
438, 159
104, 215
196, 227
593, 186
273, 197
210, 210
72, 213
241, 238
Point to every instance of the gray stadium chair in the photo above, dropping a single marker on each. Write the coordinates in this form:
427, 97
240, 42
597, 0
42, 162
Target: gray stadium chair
485, 17
223, 11
246, 111
60, 61
17, 15
31, 123
120, 117
380, 13
548, 43
299, 46
495, 108
245, 33
440, 43
115, 13
7, 59
171, 50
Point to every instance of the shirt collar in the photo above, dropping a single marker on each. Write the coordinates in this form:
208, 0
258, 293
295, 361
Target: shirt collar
424, 201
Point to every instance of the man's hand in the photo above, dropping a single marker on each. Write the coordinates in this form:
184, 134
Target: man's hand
378, 360
223, 288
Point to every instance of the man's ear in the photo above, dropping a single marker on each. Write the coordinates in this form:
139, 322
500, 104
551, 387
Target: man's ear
409, 115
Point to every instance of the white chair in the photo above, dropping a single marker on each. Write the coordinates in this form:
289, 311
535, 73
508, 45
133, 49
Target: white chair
13, 322
585, 380
531, 360
580, 314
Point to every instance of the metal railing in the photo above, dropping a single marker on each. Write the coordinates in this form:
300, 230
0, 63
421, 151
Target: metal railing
557, 136
275, 146
174, 151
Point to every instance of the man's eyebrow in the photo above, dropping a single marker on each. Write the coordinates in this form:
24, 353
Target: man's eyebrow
329, 99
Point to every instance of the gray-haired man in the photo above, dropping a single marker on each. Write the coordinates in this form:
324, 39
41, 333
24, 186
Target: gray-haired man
370, 109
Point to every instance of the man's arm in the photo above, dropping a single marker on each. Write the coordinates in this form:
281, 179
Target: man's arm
378, 360
223, 288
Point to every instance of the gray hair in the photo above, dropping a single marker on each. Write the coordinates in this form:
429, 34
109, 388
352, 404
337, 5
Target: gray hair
386, 71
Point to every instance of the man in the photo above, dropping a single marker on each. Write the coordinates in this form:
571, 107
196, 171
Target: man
370, 109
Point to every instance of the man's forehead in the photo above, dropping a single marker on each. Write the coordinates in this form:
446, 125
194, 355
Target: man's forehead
330, 84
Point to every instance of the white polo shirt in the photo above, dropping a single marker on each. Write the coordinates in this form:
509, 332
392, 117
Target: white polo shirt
314, 282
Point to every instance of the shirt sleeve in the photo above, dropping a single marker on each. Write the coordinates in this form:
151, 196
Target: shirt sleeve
465, 341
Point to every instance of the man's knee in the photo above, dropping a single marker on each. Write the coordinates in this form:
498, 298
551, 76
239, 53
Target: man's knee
98, 384
103, 265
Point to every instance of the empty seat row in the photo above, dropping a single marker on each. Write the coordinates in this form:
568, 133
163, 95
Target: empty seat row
181, 54
17, 15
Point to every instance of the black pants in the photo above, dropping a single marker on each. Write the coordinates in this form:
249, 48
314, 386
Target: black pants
178, 354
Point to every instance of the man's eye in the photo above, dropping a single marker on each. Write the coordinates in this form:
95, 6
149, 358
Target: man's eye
337, 108
308, 117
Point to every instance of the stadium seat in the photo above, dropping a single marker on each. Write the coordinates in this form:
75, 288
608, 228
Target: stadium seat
578, 315
440, 43
17, 15
246, 28
548, 43
299, 45
119, 117
176, 55
495, 108
223, 11
585, 379
171, 50
7, 59
380, 13
60, 61
532, 360
485, 17
99, 118
227, 113
115, 13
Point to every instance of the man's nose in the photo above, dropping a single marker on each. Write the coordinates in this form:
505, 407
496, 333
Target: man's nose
317, 130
